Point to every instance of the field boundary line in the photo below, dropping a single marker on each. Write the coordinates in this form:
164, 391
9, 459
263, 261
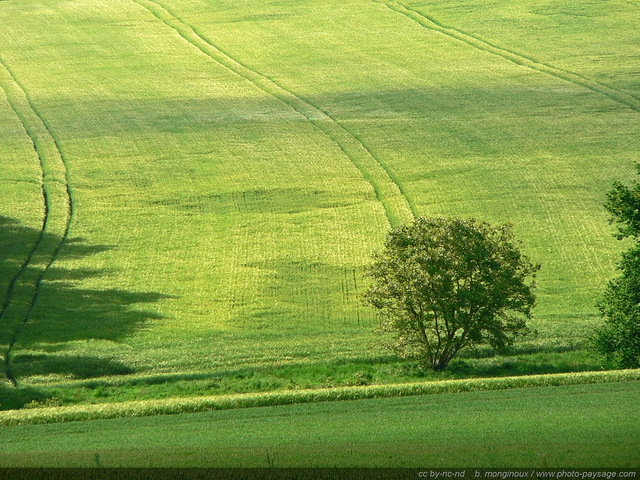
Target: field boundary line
397, 206
620, 96
174, 406
57, 211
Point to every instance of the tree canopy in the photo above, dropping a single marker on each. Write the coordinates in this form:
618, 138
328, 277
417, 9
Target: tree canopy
443, 285
617, 342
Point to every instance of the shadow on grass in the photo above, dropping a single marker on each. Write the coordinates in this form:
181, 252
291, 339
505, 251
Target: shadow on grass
12, 398
524, 348
343, 373
63, 313
533, 364
74, 366
354, 372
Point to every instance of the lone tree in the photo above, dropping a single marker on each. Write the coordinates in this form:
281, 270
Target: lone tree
617, 342
446, 284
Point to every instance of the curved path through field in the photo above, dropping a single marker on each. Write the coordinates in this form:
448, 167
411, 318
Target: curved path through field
57, 205
616, 94
389, 192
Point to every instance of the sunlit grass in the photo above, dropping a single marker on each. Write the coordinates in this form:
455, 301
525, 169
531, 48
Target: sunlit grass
218, 229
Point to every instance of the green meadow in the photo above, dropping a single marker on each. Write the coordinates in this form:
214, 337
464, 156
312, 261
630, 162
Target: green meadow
591, 425
190, 191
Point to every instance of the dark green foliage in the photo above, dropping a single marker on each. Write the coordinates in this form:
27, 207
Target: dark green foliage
623, 203
617, 342
444, 285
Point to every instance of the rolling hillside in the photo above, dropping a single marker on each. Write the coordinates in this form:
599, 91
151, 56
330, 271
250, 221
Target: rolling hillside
190, 189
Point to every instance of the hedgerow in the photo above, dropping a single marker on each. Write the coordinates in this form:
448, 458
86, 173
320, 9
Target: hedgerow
224, 402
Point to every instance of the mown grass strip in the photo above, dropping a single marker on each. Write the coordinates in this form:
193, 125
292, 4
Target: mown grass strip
225, 402
619, 96
397, 205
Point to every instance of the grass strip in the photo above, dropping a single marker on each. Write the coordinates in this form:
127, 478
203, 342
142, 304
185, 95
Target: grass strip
224, 402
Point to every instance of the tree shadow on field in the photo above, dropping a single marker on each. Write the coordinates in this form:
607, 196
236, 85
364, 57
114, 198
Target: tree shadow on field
66, 320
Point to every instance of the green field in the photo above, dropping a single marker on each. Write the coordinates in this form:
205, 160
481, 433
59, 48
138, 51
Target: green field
592, 426
190, 190
218, 174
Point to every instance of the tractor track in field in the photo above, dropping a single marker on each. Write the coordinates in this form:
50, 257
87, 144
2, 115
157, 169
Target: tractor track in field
398, 207
620, 96
57, 208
